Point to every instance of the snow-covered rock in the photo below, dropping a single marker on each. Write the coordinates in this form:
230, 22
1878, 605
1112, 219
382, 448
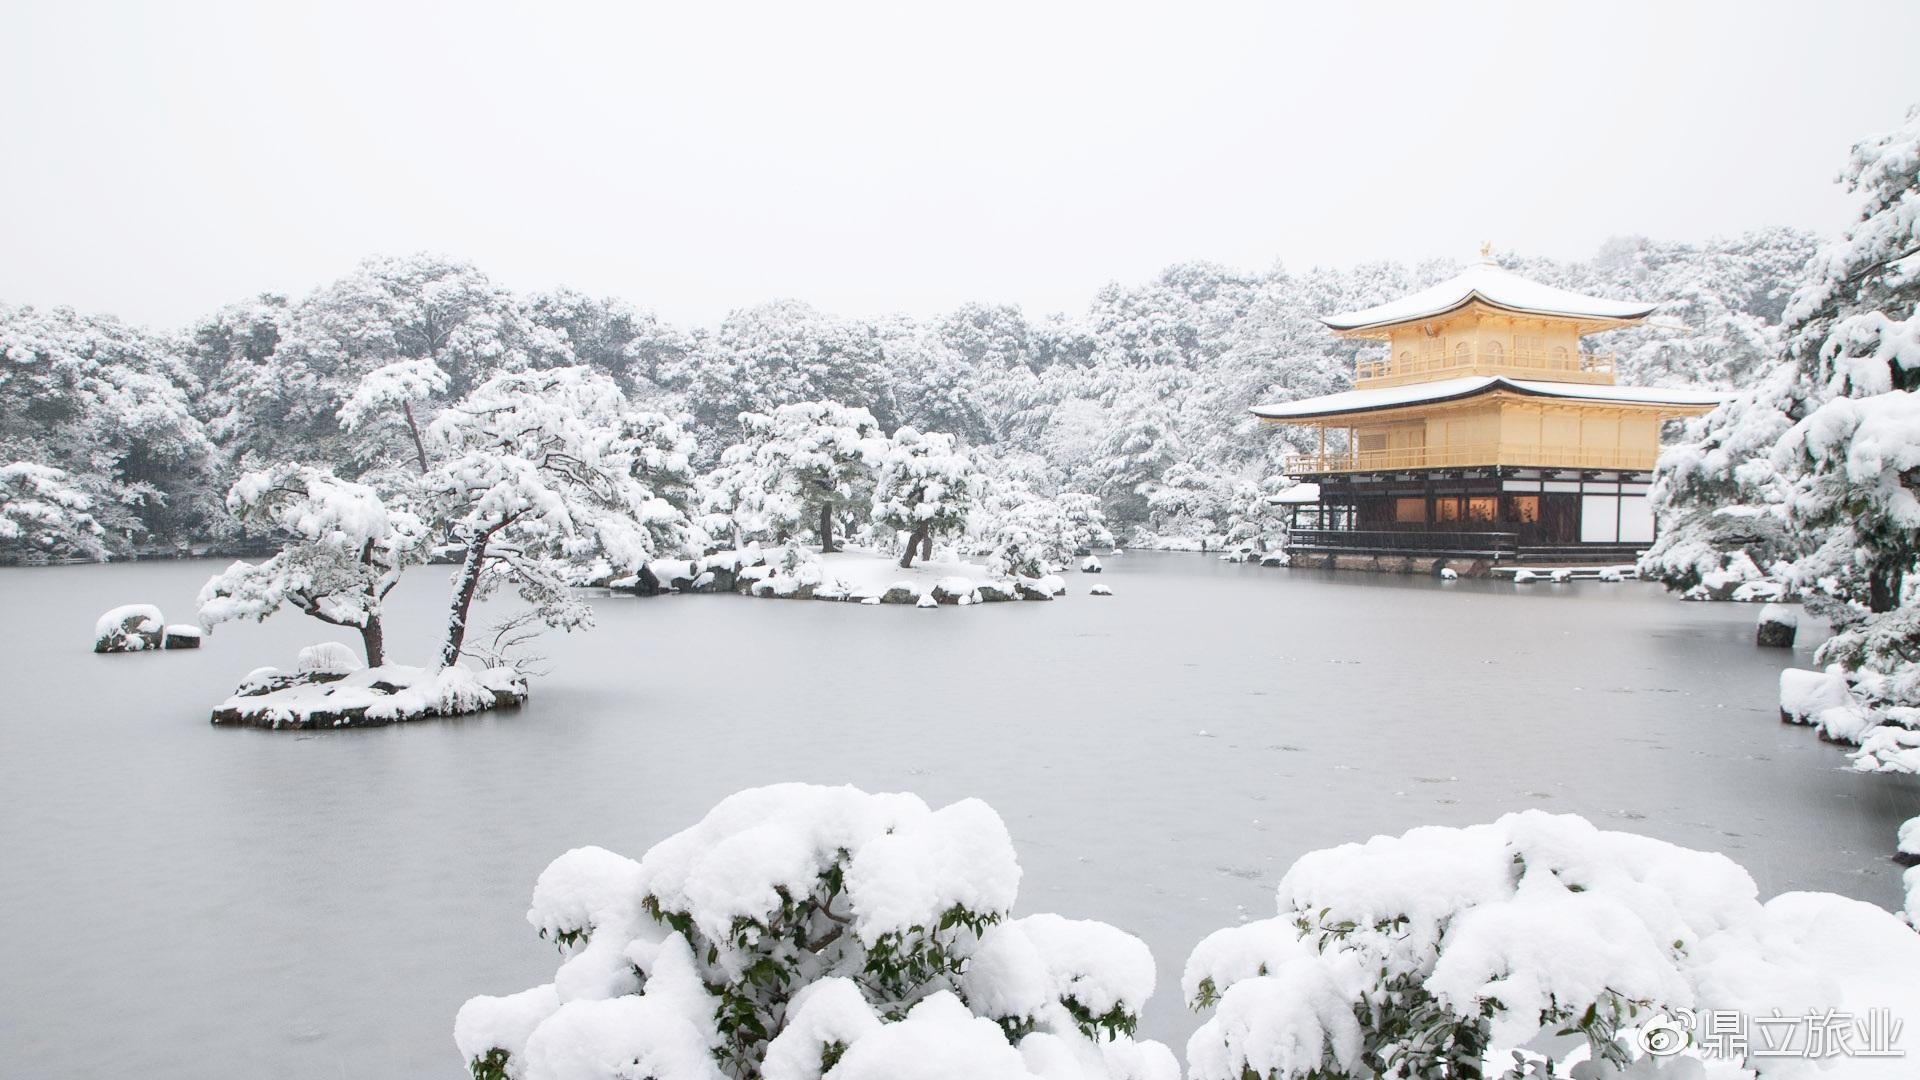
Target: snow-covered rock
927, 600
1053, 584
1100, 590
181, 636
1824, 700
1448, 573
1091, 566
1562, 576
1777, 627
328, 658
1524, 577
1908, 842
129, 628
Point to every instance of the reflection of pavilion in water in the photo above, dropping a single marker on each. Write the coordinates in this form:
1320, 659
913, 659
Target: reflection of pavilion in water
1485, 431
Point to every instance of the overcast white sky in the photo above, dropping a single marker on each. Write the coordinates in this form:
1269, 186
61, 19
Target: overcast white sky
163, 159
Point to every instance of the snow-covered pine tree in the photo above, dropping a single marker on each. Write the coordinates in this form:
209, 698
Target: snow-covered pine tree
538, 482
343, 549
804, 464
923, 487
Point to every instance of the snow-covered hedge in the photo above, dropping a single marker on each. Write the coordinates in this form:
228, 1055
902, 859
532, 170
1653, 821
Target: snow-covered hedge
800, 932
1439, 952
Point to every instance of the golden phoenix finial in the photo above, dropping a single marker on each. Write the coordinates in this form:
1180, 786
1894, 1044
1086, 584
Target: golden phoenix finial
1486, 249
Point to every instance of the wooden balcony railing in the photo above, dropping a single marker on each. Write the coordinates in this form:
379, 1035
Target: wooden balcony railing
1440, 457
1547, 365
1406, 541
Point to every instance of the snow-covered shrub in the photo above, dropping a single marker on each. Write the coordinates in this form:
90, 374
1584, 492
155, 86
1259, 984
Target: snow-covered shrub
1433, 953
806, 932
327, 658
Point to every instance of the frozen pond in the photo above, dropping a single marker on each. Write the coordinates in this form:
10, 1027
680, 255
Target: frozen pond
183, 901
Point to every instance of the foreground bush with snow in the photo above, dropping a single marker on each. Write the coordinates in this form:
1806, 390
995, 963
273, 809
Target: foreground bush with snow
799, 933
1439, 952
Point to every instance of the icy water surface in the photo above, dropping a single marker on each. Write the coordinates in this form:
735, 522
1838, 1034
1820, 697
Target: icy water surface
181, 901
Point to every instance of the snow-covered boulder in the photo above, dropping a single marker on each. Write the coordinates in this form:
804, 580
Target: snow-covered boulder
1562, 576
1032, 589
901, 592
1448, 573
1823, 700
1907, 846
181, 636
1611, 573
926, 600
994, 592
328, 658
955, 590
129, 628
1525, 577
1091, 566
1053, 583
1100, 590
870, 601
1777, 627
1276, 559
675, 574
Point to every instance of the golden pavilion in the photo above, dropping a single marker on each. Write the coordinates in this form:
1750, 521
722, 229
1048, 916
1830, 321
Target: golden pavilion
1486, 432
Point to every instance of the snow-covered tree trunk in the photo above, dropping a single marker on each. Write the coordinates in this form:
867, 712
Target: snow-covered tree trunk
464, 588
914, 540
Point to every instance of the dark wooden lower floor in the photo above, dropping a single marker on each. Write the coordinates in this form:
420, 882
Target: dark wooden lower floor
1494, 513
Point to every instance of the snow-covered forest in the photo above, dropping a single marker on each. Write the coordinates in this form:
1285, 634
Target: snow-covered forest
118, 440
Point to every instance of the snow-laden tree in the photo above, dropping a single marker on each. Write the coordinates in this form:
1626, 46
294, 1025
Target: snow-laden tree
442, 313
1795, 477
924, 486
810, 933
343, 549
108, 406
43, 514
1442, 952
537, 479
785, 352
389, 393
801, 464
648, 358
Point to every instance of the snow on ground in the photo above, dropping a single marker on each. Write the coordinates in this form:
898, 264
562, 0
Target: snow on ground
370, 696
865, 572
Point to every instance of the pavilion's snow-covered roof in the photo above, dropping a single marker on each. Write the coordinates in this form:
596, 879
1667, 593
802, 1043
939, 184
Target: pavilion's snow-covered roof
1494, 286
1429, 393
1297, 495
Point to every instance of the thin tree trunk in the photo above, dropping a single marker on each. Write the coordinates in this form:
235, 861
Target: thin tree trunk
826, 528
1883, 588
463, 589
413, 427
373, 639
926, 546
913, 544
